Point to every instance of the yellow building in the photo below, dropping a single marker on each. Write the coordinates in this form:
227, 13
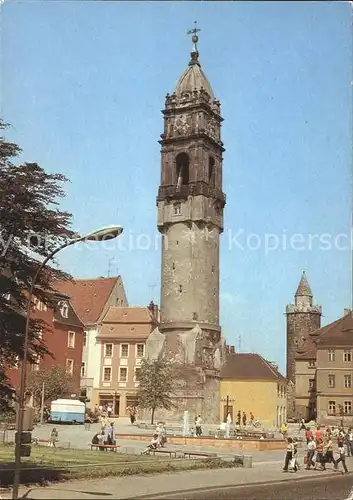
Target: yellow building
249, 383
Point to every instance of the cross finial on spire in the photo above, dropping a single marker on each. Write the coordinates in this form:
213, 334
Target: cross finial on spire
194, 38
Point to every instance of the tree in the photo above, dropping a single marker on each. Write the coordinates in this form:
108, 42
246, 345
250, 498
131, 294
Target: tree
31, 226
57, 383
155, 385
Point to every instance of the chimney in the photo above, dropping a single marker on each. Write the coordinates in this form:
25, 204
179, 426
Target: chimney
346, 311
232, 349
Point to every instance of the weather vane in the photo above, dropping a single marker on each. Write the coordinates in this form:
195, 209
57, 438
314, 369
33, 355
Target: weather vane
195, 38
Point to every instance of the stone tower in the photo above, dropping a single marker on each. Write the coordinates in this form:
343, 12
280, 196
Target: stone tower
303, 320
190, 205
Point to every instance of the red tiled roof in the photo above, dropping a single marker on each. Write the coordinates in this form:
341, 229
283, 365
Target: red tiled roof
128, 315
338, 333
88, 297
249, 366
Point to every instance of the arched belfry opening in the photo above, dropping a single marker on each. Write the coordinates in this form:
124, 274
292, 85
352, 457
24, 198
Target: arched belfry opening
182, 169
211, 171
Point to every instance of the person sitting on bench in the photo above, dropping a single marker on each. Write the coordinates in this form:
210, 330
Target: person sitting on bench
153, 445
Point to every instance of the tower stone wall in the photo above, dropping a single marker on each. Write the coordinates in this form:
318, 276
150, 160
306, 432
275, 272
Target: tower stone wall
303, 320
190, 205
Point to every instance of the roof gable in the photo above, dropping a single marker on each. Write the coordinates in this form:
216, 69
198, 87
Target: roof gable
88, 297
338, 333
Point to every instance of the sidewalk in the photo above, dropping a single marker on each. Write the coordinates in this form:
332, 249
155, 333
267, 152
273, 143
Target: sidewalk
118, 488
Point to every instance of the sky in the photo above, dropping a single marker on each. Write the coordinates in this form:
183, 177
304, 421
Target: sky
83, 85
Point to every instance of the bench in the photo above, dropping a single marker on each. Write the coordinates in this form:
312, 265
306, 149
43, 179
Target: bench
171, 453
106, 447
199, 454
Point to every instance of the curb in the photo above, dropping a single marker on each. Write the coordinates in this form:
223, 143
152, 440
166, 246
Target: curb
172, 494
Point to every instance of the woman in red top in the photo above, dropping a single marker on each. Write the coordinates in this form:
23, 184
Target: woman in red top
318, 435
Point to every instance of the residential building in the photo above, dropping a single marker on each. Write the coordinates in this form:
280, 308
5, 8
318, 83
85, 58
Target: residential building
122, 342
253, 384
63, 336
334, 372
91, 298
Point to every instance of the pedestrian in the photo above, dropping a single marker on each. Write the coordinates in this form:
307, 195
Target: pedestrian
289, 455
244, 418
295, 454
110, 434
284, 430
311, 447
109, 411
198, 426
320, 459
302, 425
101, 439
318, 434
342, 458
308, 435
252, 418
328, 452
238, 418
54, 438
350, 442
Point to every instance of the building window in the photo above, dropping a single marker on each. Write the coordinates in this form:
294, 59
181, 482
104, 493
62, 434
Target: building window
140, 350
64, 309
71, 340
177, 208
312, 363
211, 171
347, 356
123, 374
137, 374
84, 339
70, 366
107, 374
331, 355
311, 384
108, 350
332, 407
182, 169
83, 369
347, 407
348, 381
331, 381
124, 350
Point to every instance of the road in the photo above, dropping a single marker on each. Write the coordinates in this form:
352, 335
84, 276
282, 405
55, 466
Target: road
321, 488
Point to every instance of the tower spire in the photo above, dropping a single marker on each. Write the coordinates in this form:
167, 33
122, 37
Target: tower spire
303, 289
194, 52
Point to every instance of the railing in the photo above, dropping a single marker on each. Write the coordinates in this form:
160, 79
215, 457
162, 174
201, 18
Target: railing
191, 189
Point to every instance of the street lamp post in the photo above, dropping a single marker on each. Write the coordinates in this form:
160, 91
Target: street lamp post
103, 234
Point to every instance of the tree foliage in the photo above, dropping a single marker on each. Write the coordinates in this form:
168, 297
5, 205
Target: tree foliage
31, 226
57, 383
155, 385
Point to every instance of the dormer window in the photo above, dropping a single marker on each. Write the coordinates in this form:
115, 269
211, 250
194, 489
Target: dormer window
64, 309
